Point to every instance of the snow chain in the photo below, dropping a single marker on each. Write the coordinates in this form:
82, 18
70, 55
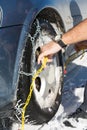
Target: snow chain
31, 90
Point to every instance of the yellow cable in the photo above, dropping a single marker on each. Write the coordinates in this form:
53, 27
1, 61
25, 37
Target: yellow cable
31, 90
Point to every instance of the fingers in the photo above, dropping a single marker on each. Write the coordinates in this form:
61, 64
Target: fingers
41, 57
48, 51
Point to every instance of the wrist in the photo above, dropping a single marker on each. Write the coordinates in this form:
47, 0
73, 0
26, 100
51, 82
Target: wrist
59, 40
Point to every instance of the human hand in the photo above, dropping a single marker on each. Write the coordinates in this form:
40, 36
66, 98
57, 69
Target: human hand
48, 50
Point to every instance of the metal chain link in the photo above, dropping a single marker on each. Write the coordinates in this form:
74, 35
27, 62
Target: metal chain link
35, 35
25, 73
18, 107
32, 38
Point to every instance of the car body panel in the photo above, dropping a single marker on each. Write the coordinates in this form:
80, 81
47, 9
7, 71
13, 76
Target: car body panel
15, 21
15, 12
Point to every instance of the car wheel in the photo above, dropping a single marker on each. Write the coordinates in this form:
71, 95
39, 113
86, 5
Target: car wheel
47, 91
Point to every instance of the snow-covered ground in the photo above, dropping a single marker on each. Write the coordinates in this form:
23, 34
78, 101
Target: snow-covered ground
73, 94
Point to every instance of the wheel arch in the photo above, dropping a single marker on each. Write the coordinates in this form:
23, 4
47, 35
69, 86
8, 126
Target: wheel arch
33, 14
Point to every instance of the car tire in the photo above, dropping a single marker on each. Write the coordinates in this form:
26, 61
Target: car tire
47, 91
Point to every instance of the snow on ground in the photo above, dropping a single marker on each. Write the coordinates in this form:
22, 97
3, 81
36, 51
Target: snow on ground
73, 96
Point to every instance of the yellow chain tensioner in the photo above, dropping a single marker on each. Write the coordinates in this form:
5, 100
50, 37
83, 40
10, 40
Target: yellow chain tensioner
31, 90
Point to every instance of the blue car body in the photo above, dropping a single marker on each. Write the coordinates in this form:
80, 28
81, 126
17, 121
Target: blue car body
16, 16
